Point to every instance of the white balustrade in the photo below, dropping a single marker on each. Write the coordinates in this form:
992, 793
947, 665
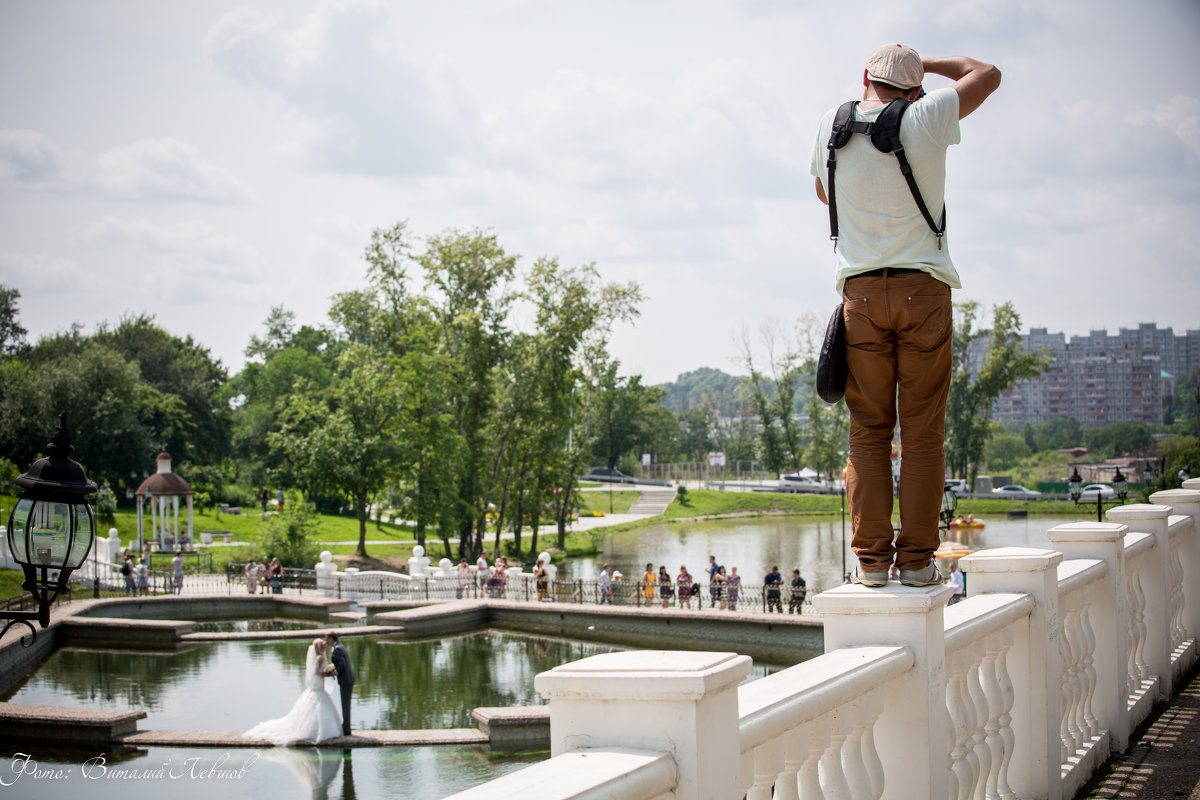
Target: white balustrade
1021, 690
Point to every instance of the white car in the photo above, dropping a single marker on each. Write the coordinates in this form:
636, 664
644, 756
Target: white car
1016, 492
1090, 492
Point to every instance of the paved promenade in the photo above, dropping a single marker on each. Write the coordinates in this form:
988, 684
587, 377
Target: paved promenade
1163, 760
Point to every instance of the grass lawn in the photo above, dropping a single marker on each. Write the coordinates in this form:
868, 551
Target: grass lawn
10, 583
621, 499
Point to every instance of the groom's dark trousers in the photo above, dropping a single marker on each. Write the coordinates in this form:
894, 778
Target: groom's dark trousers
345, 679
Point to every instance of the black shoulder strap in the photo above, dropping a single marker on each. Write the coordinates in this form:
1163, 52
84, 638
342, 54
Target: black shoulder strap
884, 133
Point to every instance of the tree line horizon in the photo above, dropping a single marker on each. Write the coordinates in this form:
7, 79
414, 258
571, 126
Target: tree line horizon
429, 400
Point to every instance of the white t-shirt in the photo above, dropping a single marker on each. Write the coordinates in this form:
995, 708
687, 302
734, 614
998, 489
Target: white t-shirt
879, 224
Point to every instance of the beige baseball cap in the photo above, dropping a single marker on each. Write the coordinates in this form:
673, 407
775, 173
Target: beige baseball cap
896, 65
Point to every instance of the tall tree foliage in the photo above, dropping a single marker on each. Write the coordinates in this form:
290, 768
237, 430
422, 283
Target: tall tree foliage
972, 396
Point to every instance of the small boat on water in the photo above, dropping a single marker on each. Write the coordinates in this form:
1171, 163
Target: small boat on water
966, 523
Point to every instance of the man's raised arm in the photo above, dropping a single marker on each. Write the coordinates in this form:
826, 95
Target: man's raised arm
973, 80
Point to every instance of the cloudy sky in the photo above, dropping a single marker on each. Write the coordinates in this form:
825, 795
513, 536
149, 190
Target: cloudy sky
203, 162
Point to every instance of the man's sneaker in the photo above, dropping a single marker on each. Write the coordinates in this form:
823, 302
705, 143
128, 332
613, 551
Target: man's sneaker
873, 580
929, 576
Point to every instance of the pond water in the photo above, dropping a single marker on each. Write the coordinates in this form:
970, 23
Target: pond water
754, 545
417, 773
225, 686
229, 686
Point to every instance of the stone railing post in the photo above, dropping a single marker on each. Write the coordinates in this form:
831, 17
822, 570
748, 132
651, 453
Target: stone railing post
1187, 501
911, 734
1152, 519
1104, 541
681, 703
1035, 663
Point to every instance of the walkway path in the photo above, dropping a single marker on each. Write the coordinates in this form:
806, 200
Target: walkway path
1163, 759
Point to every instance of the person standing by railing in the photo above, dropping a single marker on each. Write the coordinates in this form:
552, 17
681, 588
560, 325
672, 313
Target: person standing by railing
251, 573
606, 592
683, 586
895, 275
143, 576
733, 588
771, 584
649, 581
177, 572
798, 593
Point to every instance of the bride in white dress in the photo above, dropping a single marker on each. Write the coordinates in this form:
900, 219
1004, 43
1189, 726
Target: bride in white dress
314, 716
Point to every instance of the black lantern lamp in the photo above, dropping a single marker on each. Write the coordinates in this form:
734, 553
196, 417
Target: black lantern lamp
51, 529
1147, 474
1120, 486
949, 506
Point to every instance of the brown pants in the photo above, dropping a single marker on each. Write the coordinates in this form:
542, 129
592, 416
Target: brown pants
898, 337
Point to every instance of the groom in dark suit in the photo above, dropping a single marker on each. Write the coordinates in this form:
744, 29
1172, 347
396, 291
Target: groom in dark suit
345, 675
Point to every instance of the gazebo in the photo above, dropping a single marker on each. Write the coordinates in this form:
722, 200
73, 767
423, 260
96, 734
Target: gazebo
162, 491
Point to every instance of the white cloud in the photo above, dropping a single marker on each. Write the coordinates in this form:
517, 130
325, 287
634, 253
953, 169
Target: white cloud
174, 249
372, 110
164, 169
29, 156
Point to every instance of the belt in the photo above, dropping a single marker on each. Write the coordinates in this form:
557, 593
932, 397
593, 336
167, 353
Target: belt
884, 272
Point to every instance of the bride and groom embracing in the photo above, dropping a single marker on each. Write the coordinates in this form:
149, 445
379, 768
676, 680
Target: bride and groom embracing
313, 717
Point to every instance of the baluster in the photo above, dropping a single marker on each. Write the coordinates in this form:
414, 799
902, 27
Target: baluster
852, 755
815, 736
1138, 601
991, 691
795, 753
835, 785
872, 708
978, 707
1070, 649
1175, 565
1088, 671
958, 732
767, 764
1008, 694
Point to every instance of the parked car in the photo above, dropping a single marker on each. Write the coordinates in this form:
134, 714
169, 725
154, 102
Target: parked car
610, 475
959, 485
1104, 491
1016, 492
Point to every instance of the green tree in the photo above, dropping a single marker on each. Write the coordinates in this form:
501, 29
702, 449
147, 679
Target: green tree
12, 334
347, 439
1005, 450
971, 396
290, 535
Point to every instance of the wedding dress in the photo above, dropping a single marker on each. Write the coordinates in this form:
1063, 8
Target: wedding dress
313, 717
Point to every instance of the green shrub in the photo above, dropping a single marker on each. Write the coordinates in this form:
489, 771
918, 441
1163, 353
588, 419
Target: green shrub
290, 535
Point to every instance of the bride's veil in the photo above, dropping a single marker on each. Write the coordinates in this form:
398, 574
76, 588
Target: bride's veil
311, 679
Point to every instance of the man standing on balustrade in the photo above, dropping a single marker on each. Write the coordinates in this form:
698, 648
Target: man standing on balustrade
880, 165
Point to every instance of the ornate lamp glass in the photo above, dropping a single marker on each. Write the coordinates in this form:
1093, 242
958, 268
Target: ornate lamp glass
51, 529
1075, 485
1120, 485
949, 506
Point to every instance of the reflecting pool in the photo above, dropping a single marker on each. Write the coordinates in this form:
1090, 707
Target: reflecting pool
754, 545
419, 773
226, 686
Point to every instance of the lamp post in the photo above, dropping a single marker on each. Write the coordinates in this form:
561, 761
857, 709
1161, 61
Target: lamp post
1075, 488
51, 529
949, 506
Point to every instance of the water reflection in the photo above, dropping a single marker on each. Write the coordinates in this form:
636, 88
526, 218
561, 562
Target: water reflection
753, 546
198, 774
229, 686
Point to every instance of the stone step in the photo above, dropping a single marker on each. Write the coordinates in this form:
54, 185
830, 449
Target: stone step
653, 502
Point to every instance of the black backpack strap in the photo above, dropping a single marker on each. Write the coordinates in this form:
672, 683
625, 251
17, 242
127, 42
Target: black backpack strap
886, 138
839, 135
884, 133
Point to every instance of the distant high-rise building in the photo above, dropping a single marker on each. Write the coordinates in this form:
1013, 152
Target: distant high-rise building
1098, 379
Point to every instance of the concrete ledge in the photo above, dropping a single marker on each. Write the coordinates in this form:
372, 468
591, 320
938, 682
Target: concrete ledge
308, 633
518, 727
59, 726
358, 739
453, 616
216, 606
128, 632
